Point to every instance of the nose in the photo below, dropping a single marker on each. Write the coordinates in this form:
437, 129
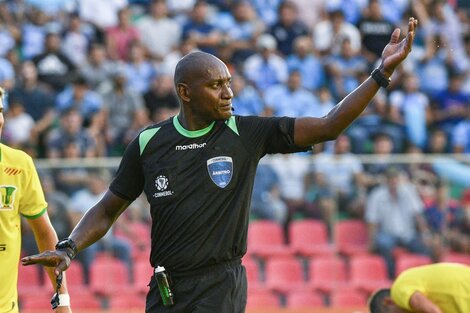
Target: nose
227, 92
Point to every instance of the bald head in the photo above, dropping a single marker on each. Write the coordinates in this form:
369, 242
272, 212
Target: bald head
193, 65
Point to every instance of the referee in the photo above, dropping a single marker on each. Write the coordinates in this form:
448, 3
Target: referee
197, 171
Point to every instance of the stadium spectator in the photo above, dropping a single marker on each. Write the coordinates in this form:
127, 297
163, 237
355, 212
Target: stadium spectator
19, 127
291, 99
247, 100
375, 31
101, 15
124, 115
98, 68
22, 195
265, 68
70, 130
329, 34
199, 30
120, 38
266, 202
461, 137
435, 288
345, 69
267, 10
343, 173
33, 33
139, 70
410, 110
76, 39
80, 202
160, 100
79, 96
54, 68
37, 101
288, 27
217, 150
158, 33
291, 169
372, 121
7, 74
394, 217
305, 60
451, 105
435, 63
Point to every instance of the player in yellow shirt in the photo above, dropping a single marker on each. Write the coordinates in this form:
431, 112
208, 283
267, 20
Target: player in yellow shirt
434, 288
21, 195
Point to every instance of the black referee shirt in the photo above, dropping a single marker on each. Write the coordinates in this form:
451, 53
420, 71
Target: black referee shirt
199, 185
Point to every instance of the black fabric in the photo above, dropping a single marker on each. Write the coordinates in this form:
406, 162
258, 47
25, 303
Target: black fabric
223, 289
195, 222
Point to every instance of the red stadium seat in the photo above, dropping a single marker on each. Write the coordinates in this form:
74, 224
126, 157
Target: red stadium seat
304, 299
284, 274
266, 239
253, 274
309, 238
455, 257
262, 300
351, 237
30, 282
127, 302
85, 301
108, 276
143, 272
406, 261
75, 276
348, 298
368, 272
327, 273
41, 301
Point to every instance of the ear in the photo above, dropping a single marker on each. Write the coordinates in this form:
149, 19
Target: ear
183, 92
388, 301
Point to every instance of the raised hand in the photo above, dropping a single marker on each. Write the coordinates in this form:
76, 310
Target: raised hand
395, 52
56, 258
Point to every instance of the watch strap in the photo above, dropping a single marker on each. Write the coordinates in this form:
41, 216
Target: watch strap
380, 78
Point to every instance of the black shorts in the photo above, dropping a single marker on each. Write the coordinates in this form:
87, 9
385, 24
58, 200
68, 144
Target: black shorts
221, 288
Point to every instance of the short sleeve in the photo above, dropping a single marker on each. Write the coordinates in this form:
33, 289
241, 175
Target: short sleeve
269, 134
32, 203
403, 288
128, 182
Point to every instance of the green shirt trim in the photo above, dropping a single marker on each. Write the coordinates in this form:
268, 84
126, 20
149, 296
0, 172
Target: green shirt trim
191, 133
232, 124
32, 217
145, 137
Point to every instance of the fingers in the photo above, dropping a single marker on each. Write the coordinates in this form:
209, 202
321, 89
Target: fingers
412, 24
395, 36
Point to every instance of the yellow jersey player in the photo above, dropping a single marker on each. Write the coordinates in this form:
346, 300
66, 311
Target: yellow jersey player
434, 288
21, 195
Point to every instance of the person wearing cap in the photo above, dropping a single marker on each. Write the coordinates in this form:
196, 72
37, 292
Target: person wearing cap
394, 217
434, 288
197, 171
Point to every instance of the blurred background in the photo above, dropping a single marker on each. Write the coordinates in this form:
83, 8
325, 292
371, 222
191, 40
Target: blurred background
327, 227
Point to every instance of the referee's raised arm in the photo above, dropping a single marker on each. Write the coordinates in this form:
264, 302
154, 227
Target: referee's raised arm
309, 130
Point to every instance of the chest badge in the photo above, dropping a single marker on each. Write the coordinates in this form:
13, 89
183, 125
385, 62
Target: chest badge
7, 197
220, 170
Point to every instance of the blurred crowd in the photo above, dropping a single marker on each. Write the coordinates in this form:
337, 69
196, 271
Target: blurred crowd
84, 77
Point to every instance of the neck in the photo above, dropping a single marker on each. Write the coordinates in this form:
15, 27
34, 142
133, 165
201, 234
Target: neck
191, 122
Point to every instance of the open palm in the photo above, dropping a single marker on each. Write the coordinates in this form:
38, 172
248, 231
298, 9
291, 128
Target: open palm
395, 52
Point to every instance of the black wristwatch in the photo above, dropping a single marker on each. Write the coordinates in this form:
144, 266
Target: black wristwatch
68, 246
380, 78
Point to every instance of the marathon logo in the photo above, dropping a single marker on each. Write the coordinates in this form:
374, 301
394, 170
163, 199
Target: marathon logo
190, 146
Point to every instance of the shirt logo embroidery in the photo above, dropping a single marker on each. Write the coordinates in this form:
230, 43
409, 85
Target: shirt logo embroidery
161, 182
7, 197
190, 146
220, 170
